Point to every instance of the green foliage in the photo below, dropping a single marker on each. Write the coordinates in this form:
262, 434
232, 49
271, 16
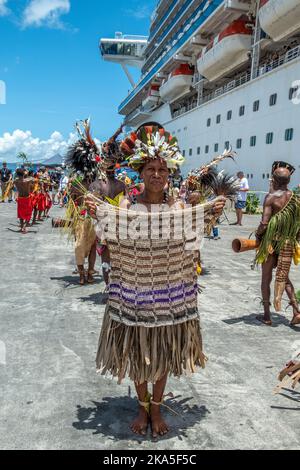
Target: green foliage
283, 226
298, 296
252, 204
23, 157
297, 191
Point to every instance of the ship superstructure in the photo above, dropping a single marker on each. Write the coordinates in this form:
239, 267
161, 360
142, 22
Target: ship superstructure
218, 73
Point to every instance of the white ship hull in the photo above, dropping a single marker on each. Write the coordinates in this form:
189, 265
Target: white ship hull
192, 131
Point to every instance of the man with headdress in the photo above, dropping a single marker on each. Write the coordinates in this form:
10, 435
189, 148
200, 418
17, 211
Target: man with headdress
278, 235
24, 187
83, 158
151, 326
109, 188
6, 183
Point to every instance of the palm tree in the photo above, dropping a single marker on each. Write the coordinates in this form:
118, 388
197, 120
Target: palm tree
23, 157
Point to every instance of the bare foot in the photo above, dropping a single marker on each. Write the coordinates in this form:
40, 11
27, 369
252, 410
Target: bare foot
140, 424
296, 319
266, 320
158, 424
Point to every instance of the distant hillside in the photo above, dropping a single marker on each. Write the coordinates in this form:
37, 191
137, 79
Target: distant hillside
55, 160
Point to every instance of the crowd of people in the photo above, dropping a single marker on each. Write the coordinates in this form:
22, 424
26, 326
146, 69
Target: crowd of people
34, 192
151, 327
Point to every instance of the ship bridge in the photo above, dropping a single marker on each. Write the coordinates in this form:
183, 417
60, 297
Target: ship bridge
124, 50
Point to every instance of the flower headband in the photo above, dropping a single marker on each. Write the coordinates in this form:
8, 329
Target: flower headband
150, 143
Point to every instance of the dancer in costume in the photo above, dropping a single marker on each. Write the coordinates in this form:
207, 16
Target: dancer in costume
151, 327
83, 158
110, 189
6, 183
48, 203
35, 197
24, 201
278, 235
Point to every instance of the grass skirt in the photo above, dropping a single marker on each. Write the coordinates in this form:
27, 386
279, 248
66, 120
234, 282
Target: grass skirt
85, 237
147, 354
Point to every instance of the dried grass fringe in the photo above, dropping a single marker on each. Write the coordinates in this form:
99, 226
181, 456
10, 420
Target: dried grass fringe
147, 354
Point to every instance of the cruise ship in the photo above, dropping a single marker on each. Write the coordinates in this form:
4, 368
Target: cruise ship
219, 73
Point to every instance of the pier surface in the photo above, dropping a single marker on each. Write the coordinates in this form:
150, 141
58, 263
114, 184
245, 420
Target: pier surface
51, 396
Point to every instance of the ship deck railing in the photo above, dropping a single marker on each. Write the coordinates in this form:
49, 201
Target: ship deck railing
237, 82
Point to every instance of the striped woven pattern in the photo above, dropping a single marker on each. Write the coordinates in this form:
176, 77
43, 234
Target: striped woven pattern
153, 282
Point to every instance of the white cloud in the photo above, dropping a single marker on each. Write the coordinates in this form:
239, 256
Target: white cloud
3, 8
35, 148
45, 12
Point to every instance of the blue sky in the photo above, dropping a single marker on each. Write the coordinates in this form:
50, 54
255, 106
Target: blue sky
54, 75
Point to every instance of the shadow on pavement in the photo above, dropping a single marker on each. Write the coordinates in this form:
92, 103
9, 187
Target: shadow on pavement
73, 281
277, 320
112, 417
98, 298
19, 231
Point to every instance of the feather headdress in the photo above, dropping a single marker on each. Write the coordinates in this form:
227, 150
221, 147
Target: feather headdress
207, 179
150, 143
111, 151
83, 157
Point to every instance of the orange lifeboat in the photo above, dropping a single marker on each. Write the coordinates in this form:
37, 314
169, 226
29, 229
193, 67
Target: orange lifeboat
178, 83
227, 51
279, 18
153, 98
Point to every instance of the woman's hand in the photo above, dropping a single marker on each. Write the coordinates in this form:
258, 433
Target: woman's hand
91, 206
219, 205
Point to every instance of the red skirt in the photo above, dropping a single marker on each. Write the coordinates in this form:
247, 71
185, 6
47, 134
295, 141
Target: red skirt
34, 200
41, 204
48, 201
24, 208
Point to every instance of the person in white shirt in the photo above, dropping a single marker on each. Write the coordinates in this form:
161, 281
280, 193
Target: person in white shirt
63, 184
241, 197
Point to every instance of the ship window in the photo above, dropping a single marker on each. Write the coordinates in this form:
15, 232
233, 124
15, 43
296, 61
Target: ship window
208, 122
253, 141
273, 99
251, 176
229, 115
264, 176
206, 148
218, 119
242, 110
227, 145
248, 176
269, 138
268, 176
183, 153
239, 143
190, 152
256, 106
198, 151
216, 147
293, 93
289, 133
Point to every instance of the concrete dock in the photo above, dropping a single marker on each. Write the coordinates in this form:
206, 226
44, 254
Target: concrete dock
51, 396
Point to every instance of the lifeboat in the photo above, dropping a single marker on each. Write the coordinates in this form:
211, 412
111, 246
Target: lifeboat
178, 83
279, 18
153, 98
226, 51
